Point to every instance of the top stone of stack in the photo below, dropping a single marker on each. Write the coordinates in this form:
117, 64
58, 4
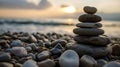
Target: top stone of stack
90, 10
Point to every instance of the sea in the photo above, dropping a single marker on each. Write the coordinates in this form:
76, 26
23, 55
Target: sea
62, 26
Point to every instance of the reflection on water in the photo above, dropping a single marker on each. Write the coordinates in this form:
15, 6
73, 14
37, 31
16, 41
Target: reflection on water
112, 28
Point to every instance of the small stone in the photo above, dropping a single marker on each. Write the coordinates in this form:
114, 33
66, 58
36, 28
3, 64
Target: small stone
90, 10
69, 59
32, 45
32, 39
62, 42
88, 32
89, 25
88, 61
16, 43
43, 55
92, 40
19, 51
4, 57
89, 18
101, 62
5, 64
18, 65
96, 52
30, 63
116, 49
112, 64
46, 63
28, 49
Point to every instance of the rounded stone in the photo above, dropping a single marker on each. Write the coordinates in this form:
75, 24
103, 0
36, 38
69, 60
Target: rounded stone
96, 52
46, 63
69, 59
112, 64
16, 43
30, 63
88, 61
89, 18
4, 57
6, 64
101, 62
88, 32
62, 42
32, 39
96, 41
89, 25
17, 65
19, 51
43, 55
90, 10
116, 49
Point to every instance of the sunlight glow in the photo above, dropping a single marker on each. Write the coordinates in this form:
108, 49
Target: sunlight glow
69, 9
35, 2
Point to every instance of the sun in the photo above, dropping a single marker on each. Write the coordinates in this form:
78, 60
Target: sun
69, 9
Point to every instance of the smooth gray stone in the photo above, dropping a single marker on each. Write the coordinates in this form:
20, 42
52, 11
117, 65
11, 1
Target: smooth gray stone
43, 55
94, 51
89, 18
89, 25
4, 57
101, 62
46, 63
30, 63
90, 10
88, 61
92, 40
69, 59
19, 51
60, 41
88, 31
6, 64
32, 39
16, 43
112, 64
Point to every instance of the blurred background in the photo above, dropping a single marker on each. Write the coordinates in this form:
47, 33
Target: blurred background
55, 15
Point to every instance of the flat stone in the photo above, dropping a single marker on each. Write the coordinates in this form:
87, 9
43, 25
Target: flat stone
95, 40
5, 64
88, 32
30, 63
89, 18
87, 61
69, 59
96, 52
43, 55
89, 25
4, 57
46, 63
19, 51
90, 10
112, 64
116, 49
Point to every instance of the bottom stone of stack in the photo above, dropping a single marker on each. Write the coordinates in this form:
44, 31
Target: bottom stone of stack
92, 40
96, 52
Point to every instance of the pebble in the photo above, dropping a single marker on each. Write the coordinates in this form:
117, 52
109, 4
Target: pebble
18, 65
89, 18
90, 10
88, 32
43, 55
32, 45
15, 43
116, 49
96, 52
112, 64
32, 39
87, 61
46, 63
6, 64
101, 62
62, 42
30, 63
93, 40
4, 57
19, 51
69, 59
89, 25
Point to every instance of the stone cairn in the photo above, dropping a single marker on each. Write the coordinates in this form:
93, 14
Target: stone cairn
89, 39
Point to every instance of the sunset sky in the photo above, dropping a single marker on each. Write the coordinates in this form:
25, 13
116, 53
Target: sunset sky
54, 8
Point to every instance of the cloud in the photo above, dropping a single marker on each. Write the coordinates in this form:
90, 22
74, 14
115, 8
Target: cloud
25, 4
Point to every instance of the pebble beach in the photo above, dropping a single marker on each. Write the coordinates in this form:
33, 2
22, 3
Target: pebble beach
88, 47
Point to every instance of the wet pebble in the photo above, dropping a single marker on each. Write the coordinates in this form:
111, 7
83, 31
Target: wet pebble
43, 55
30, 63
69, 59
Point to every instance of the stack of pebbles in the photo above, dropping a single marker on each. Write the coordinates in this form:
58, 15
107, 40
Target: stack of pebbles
89, 36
